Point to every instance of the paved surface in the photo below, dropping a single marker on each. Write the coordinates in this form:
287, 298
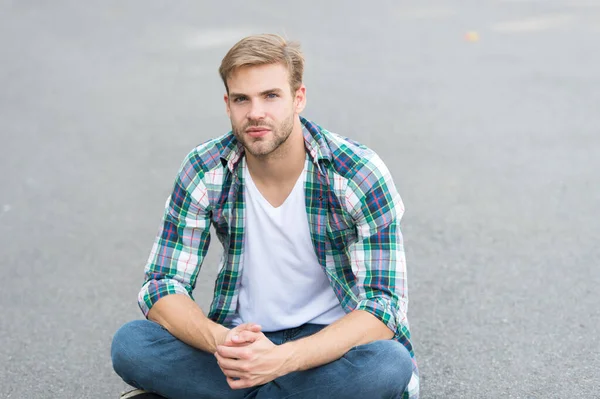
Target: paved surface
494, 145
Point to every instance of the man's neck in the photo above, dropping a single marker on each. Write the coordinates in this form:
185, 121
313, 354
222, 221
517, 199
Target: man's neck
284, 164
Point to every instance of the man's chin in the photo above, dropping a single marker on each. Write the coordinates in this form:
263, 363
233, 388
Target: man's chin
258, 151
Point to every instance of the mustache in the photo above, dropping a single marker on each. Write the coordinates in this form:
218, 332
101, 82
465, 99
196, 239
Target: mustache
257, 124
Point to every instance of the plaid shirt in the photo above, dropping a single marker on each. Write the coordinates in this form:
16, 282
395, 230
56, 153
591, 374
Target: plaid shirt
353, 212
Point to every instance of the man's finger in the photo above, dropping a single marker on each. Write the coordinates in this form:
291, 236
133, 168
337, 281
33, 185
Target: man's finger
239, 384
242, 326
255, 327
227, 363
248, 326
234, 373
234, 352
245, 337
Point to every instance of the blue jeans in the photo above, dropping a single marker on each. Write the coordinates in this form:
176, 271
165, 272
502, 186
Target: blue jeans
147, 356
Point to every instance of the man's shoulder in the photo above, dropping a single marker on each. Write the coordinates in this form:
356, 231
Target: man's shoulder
208, 156
204, 166
364, 181
351, 159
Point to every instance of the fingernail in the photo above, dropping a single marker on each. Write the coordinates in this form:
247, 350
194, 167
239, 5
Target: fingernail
236, 337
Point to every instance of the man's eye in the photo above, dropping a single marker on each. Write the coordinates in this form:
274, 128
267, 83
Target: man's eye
272, 95
239, 99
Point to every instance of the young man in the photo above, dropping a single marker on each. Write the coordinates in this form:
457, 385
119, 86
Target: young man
311, 297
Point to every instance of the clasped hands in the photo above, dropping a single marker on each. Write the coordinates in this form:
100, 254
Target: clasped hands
248, 358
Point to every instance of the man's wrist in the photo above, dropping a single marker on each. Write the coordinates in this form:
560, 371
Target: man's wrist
218, 334
291, 354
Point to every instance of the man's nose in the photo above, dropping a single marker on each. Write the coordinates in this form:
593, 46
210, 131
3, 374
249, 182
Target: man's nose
256, 111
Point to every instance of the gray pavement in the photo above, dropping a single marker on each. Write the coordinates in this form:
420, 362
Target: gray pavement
494, 145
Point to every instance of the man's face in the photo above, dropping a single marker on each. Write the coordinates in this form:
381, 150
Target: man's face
262, 108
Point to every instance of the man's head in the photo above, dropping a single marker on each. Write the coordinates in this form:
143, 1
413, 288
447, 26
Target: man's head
264, 91
262, 50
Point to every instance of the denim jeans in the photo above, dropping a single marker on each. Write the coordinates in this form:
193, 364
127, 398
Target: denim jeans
147, 356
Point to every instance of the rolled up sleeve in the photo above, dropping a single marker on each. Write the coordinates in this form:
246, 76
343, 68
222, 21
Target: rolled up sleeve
377, 257
182, 240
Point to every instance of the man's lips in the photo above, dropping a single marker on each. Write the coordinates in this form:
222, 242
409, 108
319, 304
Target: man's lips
257, 131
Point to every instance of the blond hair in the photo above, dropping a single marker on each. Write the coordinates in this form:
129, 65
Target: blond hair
262, 50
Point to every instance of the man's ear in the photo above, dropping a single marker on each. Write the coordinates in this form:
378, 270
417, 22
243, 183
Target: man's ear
300, 99
226, 99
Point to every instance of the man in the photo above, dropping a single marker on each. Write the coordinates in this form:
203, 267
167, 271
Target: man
311, 295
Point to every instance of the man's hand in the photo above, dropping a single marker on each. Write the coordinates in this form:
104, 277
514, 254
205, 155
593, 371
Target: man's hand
233, 338
252, 360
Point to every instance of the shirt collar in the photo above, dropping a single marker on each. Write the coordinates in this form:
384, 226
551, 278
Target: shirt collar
315, 143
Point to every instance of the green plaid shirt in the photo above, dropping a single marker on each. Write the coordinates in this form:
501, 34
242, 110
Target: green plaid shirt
353, 211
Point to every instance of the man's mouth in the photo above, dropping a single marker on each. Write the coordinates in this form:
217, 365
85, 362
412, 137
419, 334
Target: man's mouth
257, 131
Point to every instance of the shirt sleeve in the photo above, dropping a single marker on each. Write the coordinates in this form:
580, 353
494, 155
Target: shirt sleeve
182, 241
377, 257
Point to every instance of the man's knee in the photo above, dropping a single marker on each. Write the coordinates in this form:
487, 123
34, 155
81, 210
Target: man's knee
391, 362
128, 348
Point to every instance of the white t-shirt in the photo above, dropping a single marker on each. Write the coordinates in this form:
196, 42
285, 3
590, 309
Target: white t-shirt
283, 285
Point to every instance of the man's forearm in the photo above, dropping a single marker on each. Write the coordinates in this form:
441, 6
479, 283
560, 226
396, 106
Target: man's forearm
183, 318
334, 341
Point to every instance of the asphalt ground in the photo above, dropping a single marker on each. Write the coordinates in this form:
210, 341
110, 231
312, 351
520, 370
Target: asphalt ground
492, 138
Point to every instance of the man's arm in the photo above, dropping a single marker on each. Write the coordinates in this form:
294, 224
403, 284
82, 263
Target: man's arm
334, 341
379, 265
175, 261
183, 318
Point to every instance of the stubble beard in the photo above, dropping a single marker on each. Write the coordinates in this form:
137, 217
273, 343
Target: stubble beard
263, 147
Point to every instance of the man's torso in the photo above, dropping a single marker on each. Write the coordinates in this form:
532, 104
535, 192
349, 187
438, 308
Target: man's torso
283, 285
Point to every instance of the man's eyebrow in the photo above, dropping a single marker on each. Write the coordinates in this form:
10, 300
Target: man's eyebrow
262, 93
